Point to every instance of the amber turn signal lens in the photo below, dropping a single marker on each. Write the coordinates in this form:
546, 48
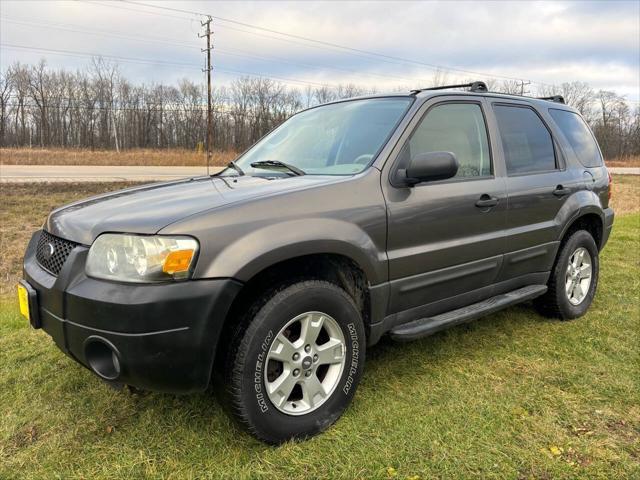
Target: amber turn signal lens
177, 261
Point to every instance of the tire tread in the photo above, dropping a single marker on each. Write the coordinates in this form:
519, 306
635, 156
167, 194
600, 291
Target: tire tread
243, 335
550, 304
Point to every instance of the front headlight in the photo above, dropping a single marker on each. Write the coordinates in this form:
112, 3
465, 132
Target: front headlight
141, 258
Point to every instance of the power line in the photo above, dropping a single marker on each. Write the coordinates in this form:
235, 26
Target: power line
76, 29
182, 44
165, 63
315, 42
324, 47
330, 44
318, 43
140, 11
73, 53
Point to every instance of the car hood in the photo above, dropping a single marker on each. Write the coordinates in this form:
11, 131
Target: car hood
147, 209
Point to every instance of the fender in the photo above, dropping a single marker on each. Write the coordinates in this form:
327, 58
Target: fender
343, 216
258, 249
579, 204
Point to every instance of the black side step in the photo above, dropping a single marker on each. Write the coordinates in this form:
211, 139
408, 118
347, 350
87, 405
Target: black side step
428, 326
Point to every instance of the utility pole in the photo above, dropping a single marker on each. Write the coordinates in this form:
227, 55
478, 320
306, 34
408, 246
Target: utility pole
208, 69
522, 85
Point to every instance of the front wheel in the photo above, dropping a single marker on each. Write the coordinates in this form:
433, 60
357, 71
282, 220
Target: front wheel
574, 278
294, 363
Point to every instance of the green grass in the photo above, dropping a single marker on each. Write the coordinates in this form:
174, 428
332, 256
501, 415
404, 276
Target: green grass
513, 395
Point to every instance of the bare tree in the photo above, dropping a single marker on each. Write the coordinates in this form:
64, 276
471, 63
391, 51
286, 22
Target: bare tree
98, 108
511, 87
6, 89
107, 76
577, 94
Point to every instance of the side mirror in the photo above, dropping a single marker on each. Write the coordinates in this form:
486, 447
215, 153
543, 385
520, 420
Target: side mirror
425, 167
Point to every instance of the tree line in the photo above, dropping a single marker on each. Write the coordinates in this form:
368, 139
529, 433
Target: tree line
97, 108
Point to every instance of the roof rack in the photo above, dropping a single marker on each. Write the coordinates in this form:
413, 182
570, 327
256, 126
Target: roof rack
553, 98
473, 87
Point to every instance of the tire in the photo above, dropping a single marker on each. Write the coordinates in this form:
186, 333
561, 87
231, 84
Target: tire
556, 302
253, 369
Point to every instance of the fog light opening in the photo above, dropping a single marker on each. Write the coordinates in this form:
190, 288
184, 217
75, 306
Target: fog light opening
102, 358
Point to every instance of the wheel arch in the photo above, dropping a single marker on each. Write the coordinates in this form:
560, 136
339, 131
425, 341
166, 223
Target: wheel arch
590, 219
338, 269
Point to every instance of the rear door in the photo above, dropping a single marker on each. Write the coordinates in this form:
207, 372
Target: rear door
445, 237
538, 186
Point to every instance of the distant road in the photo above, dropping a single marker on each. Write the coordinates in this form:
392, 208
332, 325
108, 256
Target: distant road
624, 170
95, 173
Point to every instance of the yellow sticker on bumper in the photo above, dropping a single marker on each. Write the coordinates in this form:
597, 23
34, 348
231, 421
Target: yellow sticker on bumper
23, 300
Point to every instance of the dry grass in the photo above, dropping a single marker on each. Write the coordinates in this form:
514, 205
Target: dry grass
628, 161
61, 156
625, 195
155, 157
23, 210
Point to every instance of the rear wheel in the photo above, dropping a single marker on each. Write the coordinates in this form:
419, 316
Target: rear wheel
574, 278
294, 363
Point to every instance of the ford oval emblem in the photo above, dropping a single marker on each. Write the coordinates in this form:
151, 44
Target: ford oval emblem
49, 250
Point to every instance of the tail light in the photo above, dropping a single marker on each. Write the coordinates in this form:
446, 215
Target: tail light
610, 184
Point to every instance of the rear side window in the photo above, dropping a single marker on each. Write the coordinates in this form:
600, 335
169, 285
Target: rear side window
579, 136
458, 128
526, 142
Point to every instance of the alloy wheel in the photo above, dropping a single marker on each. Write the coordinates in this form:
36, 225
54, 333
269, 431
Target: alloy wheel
304, 363
578, 276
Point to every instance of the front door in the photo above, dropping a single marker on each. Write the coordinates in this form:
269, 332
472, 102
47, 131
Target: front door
445, 237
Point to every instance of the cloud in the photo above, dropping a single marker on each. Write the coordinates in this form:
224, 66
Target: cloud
550, 42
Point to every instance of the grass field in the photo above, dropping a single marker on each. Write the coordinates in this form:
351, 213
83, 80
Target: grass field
513, 395
173, 157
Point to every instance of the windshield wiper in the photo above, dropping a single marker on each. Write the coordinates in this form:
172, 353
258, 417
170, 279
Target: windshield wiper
276, 164
235, 167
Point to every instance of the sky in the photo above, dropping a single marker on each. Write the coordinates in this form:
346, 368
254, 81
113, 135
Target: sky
386, 45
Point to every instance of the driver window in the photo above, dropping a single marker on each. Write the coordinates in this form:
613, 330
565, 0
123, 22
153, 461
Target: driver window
458, 128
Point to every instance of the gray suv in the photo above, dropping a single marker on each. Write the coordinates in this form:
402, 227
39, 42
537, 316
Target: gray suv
393, 214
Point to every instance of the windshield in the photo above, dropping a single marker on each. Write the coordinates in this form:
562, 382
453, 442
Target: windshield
335, 139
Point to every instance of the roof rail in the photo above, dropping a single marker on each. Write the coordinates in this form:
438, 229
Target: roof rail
553, 98
473, 87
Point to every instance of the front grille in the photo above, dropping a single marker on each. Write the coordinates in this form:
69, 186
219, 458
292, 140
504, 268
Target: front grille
52, 252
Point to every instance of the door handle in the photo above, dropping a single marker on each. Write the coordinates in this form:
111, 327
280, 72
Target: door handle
486, 201
560, 191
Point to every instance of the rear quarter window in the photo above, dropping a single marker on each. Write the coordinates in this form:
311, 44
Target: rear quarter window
579, 136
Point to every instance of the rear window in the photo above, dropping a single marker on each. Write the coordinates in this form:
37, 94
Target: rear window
526, 142
579, 136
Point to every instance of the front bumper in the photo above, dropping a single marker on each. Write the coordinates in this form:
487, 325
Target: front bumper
160, 337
